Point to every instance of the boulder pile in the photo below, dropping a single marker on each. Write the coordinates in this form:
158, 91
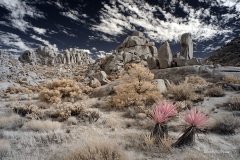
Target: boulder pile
139, 49
45, 55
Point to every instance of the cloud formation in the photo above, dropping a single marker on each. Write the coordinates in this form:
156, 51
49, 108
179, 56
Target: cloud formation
126, 15
13, 40
18, 11
45, 42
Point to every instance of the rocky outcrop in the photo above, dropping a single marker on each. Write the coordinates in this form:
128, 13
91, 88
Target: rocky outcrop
48, 56
10, 66
134, 49
165, 55
228, 55
186, 46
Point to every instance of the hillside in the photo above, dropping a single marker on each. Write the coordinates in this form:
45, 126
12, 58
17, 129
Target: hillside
228, 55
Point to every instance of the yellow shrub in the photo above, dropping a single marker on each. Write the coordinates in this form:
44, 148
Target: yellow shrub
135, 88
59, 89
232, 79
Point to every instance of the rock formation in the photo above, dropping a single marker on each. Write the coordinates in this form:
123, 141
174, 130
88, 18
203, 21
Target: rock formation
134, 49
165, 55
47, 56
186, 46
228, 55
10, 67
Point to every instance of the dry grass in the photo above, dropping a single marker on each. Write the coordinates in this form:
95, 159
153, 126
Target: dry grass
196, 80
11, 122
135, 88
97, 151
234, 103
59, 112
41, 126
182, 92
215, 92
225, 125
4, 148
59, 89
72, 120
15, 90
231, 79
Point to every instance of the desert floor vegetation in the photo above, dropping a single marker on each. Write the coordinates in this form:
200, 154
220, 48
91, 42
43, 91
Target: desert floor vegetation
133, 122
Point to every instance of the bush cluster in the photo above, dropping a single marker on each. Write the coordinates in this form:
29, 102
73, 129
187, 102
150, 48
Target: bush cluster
136, 88
59, 89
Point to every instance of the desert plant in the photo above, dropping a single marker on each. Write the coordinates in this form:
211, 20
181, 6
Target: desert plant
161, 114
231, 79
136, 88
234, 103
196, 118
11, 122
97, 151
59, 89
182, 92
41, 126
196, 80
4, 148
225, 125
215, 92
15, 90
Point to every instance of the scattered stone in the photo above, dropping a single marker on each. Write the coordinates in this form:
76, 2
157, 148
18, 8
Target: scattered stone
102, 77
161, 85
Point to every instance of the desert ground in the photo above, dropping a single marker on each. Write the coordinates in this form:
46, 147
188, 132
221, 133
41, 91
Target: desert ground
105, 121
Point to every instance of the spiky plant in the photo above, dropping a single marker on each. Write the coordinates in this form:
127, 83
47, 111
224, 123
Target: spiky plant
196, 118
161, 114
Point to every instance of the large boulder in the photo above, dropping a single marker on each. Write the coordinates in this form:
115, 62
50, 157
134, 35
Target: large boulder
187, 46
28, 57
165, 55
102, 77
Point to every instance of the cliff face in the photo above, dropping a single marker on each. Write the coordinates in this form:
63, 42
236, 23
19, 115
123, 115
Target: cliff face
228, 55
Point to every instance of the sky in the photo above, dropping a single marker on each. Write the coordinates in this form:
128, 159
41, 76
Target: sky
101, 25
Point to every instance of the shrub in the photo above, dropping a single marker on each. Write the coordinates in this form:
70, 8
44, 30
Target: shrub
231, 79
97, 151
11, 122
234, 103
182, 92
72, 120
196, 80
59, 89
4, 148
41, 126
15, 90
225, 125
32, 111
215, 92
135, 88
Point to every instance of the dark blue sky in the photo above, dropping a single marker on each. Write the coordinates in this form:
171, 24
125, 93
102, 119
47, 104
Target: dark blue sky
100, 26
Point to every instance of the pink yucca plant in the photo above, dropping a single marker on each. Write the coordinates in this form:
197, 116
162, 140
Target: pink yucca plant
196, 118
161, 114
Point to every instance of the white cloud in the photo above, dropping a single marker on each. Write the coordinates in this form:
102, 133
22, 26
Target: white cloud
45, 42
13, 40
39, 30
71, 14
114, 21
103, 54
94, 48
18, 10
